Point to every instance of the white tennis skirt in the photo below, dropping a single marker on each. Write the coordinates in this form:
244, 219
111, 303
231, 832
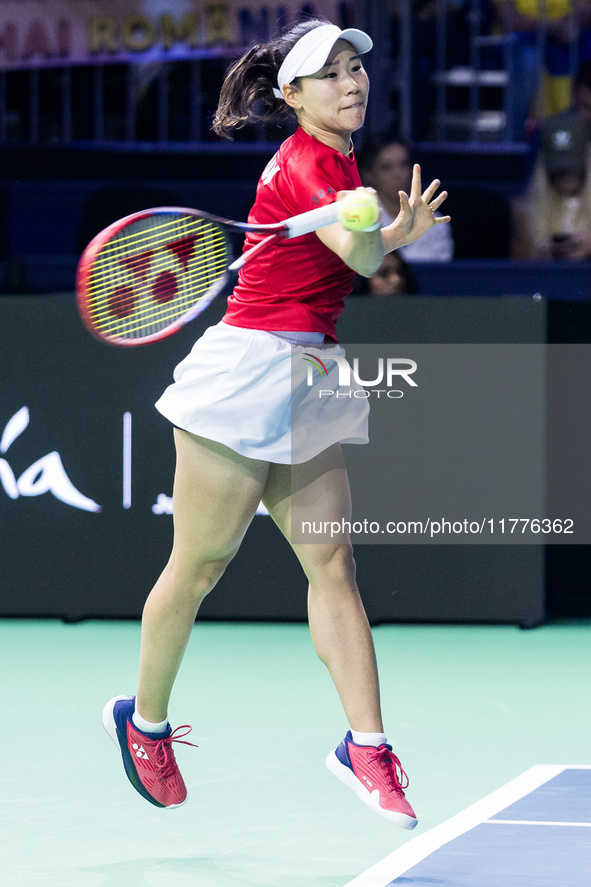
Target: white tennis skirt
266, 398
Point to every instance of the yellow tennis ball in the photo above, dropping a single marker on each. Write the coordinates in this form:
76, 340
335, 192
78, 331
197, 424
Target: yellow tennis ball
358, 211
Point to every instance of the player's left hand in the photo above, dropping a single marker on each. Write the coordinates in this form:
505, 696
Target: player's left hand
417, 210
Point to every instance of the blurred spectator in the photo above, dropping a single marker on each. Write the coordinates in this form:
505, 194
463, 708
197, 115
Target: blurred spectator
394, 277
581, 92
534, 56
553, 220
387, 167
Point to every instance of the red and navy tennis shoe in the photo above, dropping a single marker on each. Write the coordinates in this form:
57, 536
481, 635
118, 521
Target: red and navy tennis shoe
377, 778
148, 758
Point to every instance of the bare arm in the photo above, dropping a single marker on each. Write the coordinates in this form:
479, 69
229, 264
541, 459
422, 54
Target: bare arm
363, 251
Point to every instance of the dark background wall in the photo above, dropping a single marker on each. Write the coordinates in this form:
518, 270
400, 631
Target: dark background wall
59, 560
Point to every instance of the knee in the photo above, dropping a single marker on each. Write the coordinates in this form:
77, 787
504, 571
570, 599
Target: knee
208, 575
334, 564
197, 578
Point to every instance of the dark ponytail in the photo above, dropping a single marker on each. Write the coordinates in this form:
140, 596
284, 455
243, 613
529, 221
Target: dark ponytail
249, 84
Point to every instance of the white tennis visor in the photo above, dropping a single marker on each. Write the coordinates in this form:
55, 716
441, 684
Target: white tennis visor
311, 51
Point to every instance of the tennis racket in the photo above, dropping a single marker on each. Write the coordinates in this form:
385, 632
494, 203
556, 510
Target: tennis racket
148, 274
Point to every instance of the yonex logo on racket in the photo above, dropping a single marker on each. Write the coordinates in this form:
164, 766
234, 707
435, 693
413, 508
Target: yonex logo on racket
141, 278
159, 272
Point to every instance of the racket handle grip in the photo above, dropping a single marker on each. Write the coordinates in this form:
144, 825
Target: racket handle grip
311, 221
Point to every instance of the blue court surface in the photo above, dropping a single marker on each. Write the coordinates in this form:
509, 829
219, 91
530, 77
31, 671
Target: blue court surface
535, 831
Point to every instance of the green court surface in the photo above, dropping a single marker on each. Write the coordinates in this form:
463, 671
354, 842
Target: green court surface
467, 708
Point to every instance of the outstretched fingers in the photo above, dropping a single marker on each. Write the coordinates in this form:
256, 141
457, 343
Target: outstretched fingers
415, 184
417, 208
417, 195
429, 192
405, 206
416, 191
435, 202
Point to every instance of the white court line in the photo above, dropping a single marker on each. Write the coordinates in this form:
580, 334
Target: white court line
127, 460
411, 853
533, 822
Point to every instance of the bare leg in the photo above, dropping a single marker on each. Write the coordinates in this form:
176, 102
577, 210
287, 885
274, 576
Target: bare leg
338, 623
216, 493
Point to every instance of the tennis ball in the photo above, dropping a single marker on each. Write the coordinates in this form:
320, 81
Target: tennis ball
358, 211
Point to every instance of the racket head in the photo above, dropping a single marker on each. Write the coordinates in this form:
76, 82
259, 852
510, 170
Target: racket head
146, 275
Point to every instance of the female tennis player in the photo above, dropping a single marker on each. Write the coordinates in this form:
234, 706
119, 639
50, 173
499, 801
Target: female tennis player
247, 428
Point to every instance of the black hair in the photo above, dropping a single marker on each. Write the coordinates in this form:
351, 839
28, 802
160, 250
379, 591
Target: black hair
373, 148
250, 81
407, 273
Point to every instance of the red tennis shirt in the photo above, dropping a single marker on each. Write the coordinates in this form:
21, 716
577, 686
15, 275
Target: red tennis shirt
297, 284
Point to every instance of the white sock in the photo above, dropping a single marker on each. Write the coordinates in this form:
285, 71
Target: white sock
147, 726
376, 739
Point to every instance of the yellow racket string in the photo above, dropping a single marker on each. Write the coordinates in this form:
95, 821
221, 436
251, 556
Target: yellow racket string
148, 315
150, 243
144, 241
127, 240
149, 309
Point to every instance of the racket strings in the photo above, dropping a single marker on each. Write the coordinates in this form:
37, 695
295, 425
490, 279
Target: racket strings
153, 304
153, 272
150, 228
152, 294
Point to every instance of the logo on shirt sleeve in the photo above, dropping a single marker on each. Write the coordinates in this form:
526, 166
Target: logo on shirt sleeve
271, 169
321, 195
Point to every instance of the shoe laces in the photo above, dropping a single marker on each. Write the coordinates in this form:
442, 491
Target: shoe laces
390, 765
164, 759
